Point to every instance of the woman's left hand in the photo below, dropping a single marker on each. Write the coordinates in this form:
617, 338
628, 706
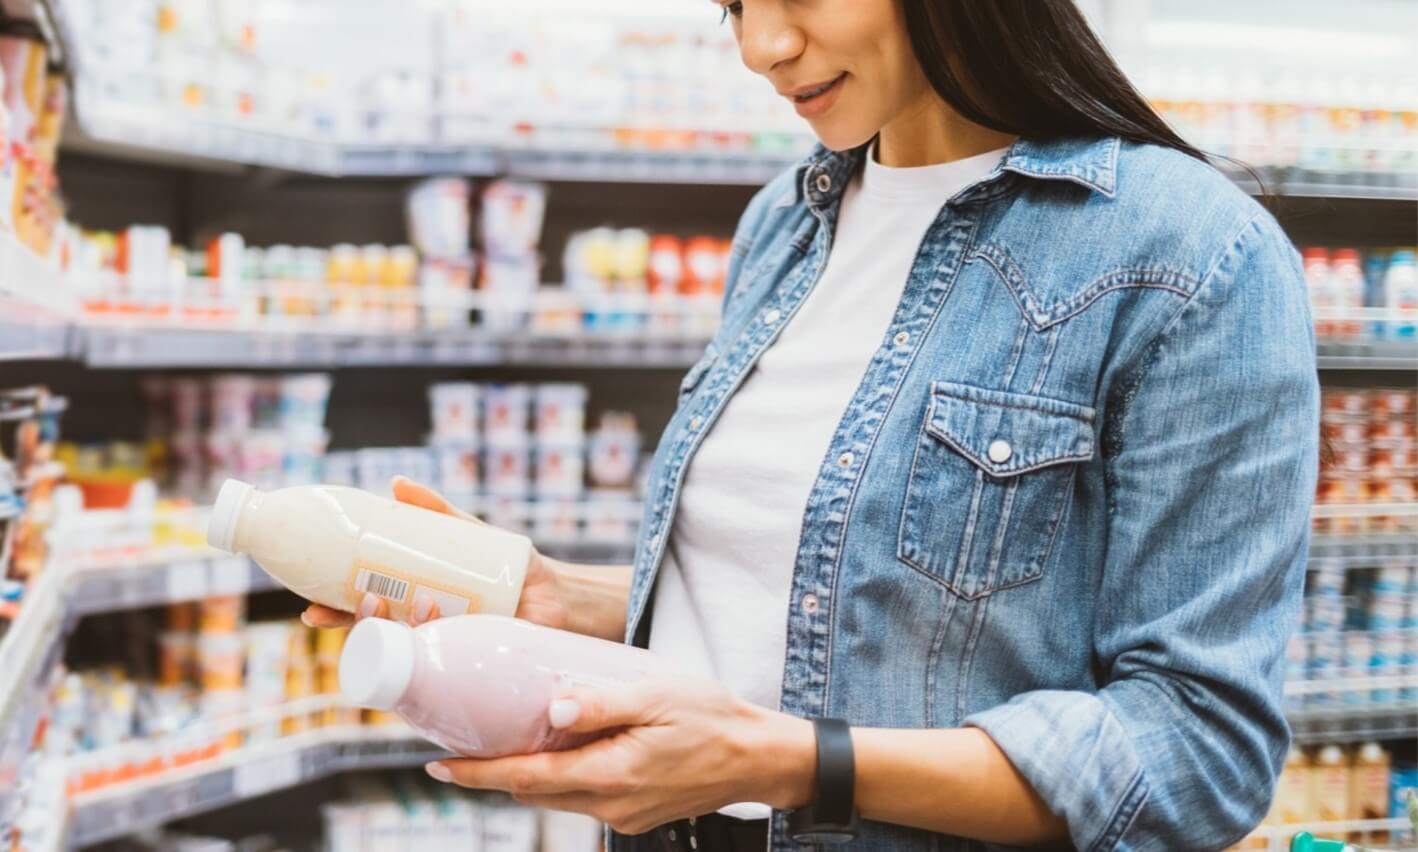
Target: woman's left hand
677, 748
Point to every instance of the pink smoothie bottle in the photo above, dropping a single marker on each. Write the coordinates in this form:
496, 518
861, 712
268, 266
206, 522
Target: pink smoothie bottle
480, 685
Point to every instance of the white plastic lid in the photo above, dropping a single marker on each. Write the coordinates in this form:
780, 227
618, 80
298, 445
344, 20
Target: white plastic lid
377, 663
231, 499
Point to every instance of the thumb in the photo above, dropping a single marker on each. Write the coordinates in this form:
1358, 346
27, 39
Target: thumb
585, 711
415, 494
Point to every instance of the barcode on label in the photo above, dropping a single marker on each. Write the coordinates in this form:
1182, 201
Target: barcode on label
390, 588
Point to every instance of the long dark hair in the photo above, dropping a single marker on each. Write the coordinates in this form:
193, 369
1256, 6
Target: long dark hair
1030, 67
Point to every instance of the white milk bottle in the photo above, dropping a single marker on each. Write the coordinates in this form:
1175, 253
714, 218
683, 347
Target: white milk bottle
1401, 293
332, 545
481, 685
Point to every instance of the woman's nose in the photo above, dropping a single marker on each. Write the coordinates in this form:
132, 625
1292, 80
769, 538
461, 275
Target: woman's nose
768, 37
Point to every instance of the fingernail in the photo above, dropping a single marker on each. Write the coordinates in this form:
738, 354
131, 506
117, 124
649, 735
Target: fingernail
368, 606
305, 619
398, 477
423, 606
563, 712
438, 772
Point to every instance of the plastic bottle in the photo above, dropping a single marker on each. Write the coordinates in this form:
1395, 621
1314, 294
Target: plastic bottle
1401, 292
1348, 282
1369, 793
1329, 785
1321, 287
331, 544
480, 685
1292, 792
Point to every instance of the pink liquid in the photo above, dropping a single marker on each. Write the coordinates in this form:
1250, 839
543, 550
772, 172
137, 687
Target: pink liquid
481, 684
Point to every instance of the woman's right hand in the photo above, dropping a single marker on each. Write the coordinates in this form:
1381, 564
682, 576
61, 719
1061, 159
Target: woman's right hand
541, 600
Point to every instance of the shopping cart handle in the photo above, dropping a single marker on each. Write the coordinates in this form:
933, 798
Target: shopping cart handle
1306, 842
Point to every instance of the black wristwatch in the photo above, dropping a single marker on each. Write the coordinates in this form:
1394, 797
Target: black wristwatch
831, 819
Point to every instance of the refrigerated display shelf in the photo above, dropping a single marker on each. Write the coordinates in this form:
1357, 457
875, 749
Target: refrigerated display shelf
246, 773
1350, 712
1368, 356
1374, 548
119, 348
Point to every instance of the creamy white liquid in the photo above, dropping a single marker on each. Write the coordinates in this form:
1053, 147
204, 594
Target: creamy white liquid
331, 544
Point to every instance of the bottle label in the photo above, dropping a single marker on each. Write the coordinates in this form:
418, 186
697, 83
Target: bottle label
383, 585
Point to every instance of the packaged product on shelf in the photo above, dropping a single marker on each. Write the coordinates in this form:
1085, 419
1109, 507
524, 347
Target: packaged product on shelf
454, 411
509, 465
331, 545
569, 832
556, 520
444, 694
439, 216
1403, 787
1401, 293
1330, 785
508, 827
221, 658
506, 409
177, 657
226, 614
1292, 790
560, 411
1369, 795
512, 214
458, 471
614, 451
610, 517
561, 468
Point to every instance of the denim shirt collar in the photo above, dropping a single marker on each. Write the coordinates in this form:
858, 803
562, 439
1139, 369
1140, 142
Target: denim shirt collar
1090, 163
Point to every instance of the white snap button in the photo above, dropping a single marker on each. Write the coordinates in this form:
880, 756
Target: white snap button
1000, 451
824, 182
695, 424
902, 338
771, 316
846, 459
673, 837
809, 604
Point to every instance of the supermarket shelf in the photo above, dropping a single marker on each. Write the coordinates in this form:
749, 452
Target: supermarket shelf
34, 310
162, 347
1368, 356
1278, 836
1374, 548
1343, 719
242, 774
1298, 183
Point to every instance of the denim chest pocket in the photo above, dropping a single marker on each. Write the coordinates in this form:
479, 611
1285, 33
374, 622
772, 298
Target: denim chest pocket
990, 482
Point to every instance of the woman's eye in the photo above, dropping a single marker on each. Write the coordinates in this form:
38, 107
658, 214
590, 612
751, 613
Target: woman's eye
734, 9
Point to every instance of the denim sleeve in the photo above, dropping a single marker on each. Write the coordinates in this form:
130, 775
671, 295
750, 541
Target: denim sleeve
1211, 456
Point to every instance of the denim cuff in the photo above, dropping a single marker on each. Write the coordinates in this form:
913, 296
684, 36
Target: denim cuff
1078, 758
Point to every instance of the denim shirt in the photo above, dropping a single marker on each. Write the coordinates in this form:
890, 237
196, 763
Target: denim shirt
1068, 503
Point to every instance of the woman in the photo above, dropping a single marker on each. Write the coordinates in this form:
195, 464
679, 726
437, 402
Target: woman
1003, 455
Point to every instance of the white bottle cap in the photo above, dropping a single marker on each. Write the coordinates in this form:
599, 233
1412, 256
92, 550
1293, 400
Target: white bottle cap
377, 663
231, 499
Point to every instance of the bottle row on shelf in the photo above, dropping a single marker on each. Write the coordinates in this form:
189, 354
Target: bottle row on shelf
1375, 456
1332, 784
1318, 123
1344, 282
472, 73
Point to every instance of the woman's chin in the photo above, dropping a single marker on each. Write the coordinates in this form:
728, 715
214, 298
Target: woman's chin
837, 137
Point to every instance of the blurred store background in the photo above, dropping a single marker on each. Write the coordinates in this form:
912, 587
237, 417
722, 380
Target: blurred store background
479, 242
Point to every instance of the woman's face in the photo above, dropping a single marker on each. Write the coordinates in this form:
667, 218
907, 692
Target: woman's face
845, 65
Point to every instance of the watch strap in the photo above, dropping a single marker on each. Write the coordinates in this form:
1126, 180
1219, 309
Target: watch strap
836, 773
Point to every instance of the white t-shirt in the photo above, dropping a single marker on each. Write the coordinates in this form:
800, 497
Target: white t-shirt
721, 601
